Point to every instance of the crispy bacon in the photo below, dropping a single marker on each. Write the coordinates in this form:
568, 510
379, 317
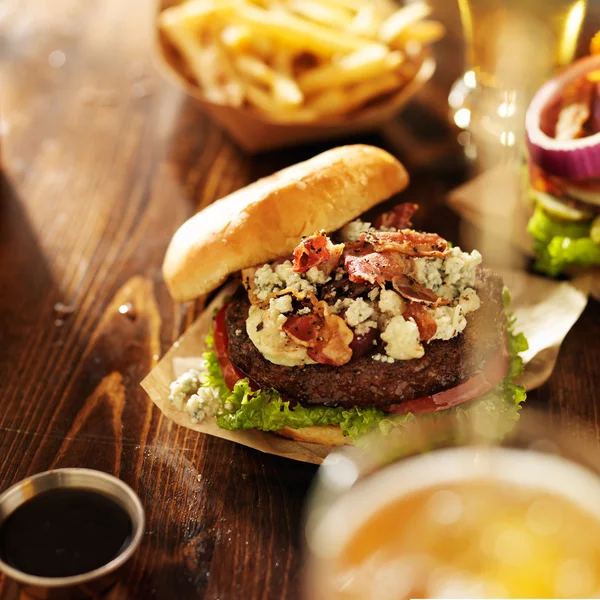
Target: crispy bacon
317, 250
399, 217
310, 252
326, 337
374, 267
415, 292
304, 329
335, 254
575, 111
407, 241
336, 350
544, 182
571, 121
423, 318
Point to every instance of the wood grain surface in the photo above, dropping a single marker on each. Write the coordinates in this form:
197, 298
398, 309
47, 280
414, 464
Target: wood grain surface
102, 160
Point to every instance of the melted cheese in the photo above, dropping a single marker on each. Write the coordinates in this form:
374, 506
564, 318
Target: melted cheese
264, 330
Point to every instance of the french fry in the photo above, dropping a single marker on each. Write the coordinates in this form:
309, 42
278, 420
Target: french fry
291, 31
201, 61
283, 62
298, 60
338, 101
422, 32
286, 92
386, 8
354, 5
392, 27
366, 22
231, 83
254, 69
371, 61
319, 12
370, 17
237, 38
261, 99
194, 14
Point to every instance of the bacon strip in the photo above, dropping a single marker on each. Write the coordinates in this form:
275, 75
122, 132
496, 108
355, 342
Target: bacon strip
317, 250
575, 111
336, 350
327, 338
424, 320
304, 329
374, 267
409, 242
415, 292
310, 252
571, 121
399, 217
335, 254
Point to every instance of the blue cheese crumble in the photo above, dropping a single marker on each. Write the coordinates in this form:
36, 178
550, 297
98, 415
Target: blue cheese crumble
357, 311
352, 230
450, 320
448, 277
190, 393
282, 277
401, 339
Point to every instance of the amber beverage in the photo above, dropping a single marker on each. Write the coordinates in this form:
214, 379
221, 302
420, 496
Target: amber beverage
512, 47
460, 522
486, 22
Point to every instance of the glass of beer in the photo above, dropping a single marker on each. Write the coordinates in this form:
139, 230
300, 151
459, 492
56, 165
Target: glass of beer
466, 519
512, 46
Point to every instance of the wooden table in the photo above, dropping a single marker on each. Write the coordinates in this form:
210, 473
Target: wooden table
102, 162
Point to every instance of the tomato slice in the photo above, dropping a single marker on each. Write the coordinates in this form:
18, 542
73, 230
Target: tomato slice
493, 373
231, 373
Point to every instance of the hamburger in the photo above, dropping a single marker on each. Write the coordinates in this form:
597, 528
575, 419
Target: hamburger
563, 135
339, 324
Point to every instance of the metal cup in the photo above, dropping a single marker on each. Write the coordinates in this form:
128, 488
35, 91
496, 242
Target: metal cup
85, 585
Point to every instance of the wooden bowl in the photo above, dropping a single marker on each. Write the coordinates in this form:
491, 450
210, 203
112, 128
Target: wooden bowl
256, 132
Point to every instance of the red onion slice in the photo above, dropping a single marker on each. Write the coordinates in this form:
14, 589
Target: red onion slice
572, 159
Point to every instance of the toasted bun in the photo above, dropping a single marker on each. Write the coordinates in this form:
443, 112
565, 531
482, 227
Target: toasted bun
266, 219
326, 435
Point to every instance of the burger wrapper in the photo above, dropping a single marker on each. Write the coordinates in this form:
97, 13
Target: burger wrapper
255, 132
186, 353
494, 203
545, 312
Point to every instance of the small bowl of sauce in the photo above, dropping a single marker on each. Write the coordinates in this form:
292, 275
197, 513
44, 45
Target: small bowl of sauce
67, 533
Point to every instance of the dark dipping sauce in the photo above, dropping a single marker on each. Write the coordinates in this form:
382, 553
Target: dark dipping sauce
64, 532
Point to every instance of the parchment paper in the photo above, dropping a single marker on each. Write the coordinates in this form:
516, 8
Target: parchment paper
545, 311
484, 203
187, 352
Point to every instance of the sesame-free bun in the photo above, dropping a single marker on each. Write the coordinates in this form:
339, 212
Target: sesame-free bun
266, 219
326, 435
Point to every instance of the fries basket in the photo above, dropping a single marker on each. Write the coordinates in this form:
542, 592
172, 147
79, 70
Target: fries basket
256, 132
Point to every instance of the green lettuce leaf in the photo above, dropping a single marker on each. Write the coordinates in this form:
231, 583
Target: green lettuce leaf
544, 228
560, 244
265, 410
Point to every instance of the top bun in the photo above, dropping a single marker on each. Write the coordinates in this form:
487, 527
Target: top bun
266, 219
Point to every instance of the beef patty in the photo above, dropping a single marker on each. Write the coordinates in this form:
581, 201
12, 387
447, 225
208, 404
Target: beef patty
366, 382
